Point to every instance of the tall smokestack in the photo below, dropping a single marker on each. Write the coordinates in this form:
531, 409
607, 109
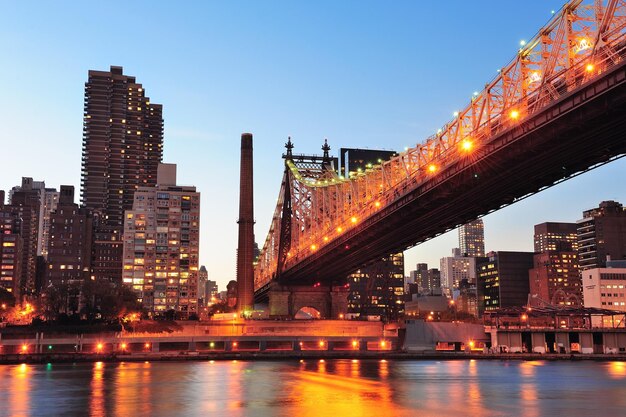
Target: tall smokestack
245, 249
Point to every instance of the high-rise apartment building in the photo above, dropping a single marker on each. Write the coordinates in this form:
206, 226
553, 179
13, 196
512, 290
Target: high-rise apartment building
602, 235
25, 202
161, 244
378, 289
10, 250
552, 236
502, 280
430, 281
49, 198
555, 276
69, 249
456, 268
472, 238
122, 147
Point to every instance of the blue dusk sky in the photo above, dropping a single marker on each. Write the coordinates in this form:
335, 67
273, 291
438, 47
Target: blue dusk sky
369, 74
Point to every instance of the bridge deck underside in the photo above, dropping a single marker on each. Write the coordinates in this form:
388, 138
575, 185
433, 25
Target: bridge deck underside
585, 128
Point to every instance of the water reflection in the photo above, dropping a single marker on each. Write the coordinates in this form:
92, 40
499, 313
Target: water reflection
315, 388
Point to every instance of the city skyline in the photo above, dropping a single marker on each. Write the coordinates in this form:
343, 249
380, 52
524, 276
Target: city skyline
356, 92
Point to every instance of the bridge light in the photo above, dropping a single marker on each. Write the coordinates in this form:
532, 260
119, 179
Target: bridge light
147, 345
313, 247
325, 238
535, 77
432, 168
321, 343
234, 344
355, 344
522, 42
377, 204
339, 229
467, 145
24, 348
123, 346
99, 347
514, 114
353, 220
589, 67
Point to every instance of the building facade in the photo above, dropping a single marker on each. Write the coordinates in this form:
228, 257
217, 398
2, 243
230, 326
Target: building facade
161, 245
552, 236
456, 268
10, 250
502, 280
472, 238
25, 203
605, 288
555, 278
70, 241
601, 235
122, 147
378, 289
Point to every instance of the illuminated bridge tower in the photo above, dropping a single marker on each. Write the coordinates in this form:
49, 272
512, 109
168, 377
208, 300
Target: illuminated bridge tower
245, 247
310, 296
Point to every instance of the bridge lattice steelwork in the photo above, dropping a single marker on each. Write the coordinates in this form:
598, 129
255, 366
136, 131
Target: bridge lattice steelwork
322, 220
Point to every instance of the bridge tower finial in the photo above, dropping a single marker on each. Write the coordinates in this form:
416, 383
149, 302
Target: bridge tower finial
326, 149
289, 146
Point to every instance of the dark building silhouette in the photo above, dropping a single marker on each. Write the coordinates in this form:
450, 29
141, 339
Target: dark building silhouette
378, 289
355, 160
25, 203
122, 147
69, 248
601, 235
245, 246
502, 280
10, 250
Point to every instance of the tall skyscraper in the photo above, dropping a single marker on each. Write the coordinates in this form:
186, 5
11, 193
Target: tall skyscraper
49, 198
472, 238
161, 245
122, 147
555, 237
602, 235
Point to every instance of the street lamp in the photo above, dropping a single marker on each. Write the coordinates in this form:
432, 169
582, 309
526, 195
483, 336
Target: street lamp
453, 307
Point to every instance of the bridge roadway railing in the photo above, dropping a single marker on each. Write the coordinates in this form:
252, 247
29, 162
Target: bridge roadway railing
580, 44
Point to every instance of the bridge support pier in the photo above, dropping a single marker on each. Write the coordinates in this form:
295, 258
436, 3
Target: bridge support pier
286, 300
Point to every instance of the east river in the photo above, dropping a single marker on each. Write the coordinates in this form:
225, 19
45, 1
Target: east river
334, 388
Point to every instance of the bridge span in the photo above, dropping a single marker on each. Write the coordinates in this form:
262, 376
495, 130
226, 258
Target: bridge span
558, 109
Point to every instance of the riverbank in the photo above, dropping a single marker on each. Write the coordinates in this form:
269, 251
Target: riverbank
288, 356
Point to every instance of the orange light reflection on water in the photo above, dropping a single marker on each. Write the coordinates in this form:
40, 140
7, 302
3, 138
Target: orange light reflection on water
617, 369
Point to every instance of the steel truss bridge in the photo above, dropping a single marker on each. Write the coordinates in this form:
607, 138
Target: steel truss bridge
558, 109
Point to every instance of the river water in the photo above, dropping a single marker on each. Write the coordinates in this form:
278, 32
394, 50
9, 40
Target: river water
333, 388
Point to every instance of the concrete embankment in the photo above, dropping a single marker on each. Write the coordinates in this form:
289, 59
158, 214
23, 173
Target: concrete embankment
288, 356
